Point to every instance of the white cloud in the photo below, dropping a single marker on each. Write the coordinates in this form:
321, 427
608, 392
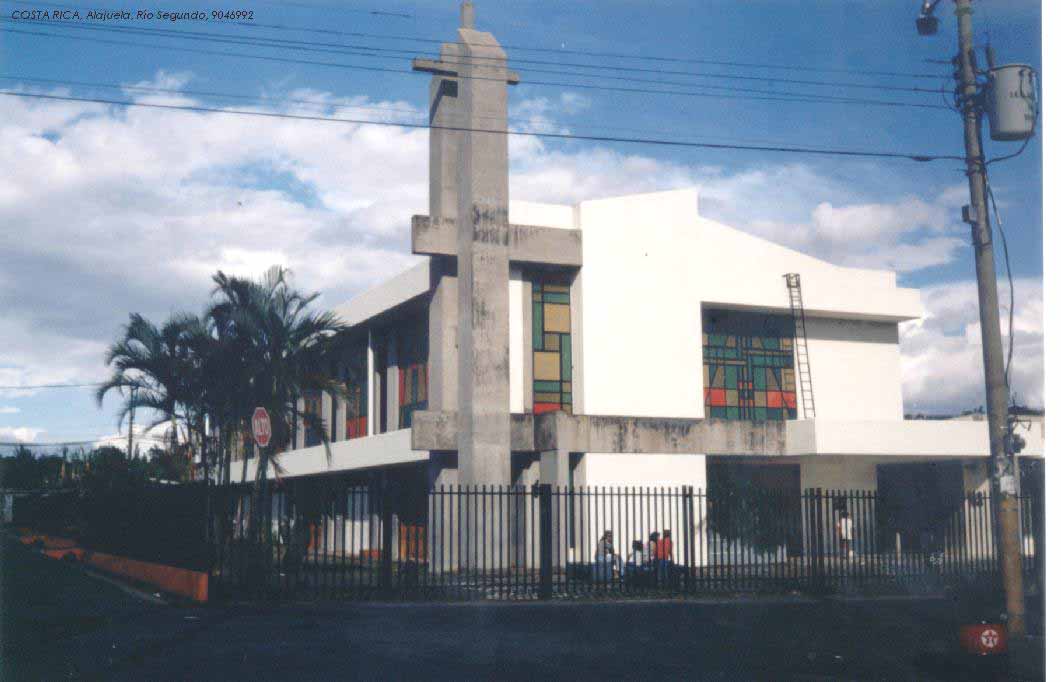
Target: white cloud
941, 353
19, 434
9, 409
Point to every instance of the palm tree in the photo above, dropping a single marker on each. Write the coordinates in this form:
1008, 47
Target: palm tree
285, 350
155, 368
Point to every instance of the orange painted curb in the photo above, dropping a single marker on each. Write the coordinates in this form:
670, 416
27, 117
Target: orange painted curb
179, 581
53, 542
75, 552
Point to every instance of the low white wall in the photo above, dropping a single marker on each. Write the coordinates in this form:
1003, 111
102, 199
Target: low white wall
839, 473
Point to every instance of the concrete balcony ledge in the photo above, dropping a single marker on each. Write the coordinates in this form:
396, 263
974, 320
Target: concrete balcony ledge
393, 447
900, 438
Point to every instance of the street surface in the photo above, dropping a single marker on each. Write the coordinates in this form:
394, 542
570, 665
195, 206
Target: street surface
61, 623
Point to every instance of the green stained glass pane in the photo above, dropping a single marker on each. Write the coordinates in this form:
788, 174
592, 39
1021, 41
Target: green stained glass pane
556, 298
718, 412
771, 343
565, 357
759, 377
537, 324
773, 413
716, 339
547, 386
759, 413
732, 413
732, 376
565, 397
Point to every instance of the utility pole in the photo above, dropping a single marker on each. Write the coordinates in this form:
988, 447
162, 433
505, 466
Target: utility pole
1003, 462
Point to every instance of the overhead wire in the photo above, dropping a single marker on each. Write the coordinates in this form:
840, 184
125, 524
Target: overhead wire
383, 53
329, 104
525, 48
778, 96
545, 135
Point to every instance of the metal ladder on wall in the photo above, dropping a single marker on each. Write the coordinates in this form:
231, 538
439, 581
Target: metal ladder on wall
795, 300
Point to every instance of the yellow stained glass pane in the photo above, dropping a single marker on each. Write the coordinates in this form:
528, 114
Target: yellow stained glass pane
557, 318
546, 366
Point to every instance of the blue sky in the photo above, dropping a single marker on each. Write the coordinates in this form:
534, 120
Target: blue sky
131, 212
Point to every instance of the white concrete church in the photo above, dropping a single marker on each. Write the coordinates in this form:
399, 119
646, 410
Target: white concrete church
622, 341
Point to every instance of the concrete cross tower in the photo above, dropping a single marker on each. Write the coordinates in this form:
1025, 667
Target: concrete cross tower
469, 185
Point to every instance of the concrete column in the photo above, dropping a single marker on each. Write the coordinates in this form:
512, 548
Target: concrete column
442, 336
444, 144
483, 263
326, 416
527, 347
555, 467
554, 470
371, 427
392, 382
442, 523
340, 420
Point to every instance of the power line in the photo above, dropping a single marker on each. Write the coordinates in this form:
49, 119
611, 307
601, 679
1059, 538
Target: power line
333, 105
36, 386
346, 49
576, 52
305, 5
778, 97
555, 136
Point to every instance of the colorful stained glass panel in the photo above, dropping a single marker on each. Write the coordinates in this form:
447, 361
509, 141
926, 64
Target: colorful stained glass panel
551, 342
748, 365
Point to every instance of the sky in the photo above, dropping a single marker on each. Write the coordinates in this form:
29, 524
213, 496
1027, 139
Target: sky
107, 210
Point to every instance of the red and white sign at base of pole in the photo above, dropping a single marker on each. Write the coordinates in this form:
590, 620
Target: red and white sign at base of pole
262, 427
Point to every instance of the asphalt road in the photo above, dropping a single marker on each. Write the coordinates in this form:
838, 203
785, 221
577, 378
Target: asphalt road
61, 623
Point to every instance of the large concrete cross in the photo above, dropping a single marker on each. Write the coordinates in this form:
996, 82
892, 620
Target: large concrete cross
469, 220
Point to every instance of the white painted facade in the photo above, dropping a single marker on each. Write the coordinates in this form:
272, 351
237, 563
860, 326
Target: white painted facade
650, 265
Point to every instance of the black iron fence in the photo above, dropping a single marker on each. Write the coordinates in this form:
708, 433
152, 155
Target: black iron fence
306, 540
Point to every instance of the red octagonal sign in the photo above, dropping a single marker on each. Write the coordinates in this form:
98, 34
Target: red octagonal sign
262, 427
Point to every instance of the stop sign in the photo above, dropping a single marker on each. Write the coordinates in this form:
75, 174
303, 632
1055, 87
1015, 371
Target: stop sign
261, 426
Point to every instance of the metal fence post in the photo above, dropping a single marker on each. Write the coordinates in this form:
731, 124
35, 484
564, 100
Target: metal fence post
817, 544
387, 541
545, 541
687, 513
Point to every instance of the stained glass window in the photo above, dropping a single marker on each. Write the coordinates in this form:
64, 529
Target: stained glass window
412, 373
748, 365
355, 376
551, 342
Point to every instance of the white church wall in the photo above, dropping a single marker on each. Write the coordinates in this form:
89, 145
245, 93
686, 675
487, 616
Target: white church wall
839, 473
855, 371
516, 341
649, 264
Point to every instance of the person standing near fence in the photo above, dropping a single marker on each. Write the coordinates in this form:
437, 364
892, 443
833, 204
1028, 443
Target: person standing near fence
604, 557
664, 555
845, 532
